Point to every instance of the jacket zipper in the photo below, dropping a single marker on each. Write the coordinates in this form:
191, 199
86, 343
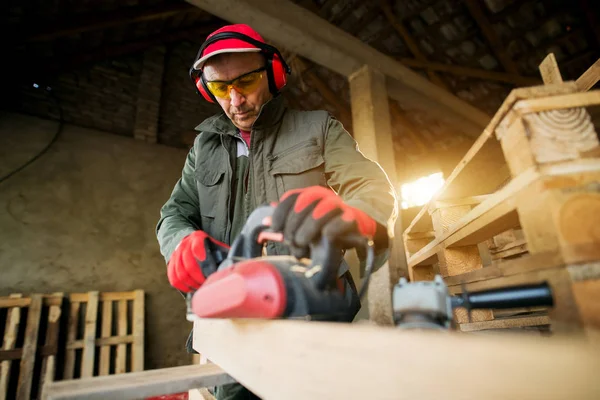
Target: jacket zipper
307, 143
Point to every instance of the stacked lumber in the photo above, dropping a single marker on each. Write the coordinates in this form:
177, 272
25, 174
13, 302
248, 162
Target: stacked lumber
544, 196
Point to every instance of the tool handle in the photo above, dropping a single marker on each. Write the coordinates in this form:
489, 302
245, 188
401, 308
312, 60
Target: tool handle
511, 297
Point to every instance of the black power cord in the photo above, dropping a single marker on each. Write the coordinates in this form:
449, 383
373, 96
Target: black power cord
52, 141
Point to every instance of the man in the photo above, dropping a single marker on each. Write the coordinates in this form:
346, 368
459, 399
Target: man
258, 152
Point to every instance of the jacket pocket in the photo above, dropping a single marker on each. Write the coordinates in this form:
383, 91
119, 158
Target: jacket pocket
209, 187
300, 166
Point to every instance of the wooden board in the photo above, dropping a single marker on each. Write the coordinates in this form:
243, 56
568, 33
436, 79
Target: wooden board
136, 385
13, 318
89, 335
297, 361
69, 368
468, 178
589, 78
505, 323
52, 333
29, 348
106, 332
137, 362
122, 331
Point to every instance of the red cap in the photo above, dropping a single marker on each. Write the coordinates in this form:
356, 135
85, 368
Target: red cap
229, 45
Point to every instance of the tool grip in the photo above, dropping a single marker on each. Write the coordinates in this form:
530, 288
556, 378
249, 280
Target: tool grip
513, 297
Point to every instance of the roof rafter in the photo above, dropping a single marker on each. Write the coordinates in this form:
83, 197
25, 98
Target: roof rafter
477, 12
308, 35
410, 42
120, 17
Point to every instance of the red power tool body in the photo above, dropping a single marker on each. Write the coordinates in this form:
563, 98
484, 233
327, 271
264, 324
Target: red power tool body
249, 285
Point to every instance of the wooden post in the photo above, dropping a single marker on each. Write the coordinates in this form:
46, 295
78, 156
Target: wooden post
373, 132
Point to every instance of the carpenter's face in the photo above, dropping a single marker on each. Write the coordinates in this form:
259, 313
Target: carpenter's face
242, 98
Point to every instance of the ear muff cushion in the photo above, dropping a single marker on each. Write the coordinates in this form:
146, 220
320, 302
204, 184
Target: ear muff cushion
279, 74
203, 89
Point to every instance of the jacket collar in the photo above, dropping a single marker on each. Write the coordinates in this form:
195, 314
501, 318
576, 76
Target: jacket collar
270, 114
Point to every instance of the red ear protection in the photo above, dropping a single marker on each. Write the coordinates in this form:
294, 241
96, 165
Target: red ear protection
277, 68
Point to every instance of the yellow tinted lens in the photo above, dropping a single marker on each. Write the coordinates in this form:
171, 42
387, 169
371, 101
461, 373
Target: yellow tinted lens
248, 83
219, 89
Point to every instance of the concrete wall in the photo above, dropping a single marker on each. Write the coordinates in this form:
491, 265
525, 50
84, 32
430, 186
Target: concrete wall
82, 218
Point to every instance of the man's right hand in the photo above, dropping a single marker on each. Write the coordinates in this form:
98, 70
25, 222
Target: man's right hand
197, 256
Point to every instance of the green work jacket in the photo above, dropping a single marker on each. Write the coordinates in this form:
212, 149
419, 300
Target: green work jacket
289, 149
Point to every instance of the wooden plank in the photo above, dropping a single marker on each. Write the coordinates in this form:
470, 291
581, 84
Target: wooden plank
106, 332
29, 348
559, 102
505, 323
89, 336
200, 394
10, 302
550, 71
136, 385
457, 185
531, 262
294, 353
465, 201
495, 215
285, 23
458, 70
373, 132
13, 319
137, 355
103, 296
589, 78
71, 335
108, 341
120, 366
106, 20
49, 362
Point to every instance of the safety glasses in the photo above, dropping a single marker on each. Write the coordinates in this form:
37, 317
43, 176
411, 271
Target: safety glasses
244, 84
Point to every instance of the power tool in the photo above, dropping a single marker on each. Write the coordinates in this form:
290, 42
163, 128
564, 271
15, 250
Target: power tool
428, 305
250, 285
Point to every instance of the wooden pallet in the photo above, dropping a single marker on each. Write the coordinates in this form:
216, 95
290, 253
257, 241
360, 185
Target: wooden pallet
105, 334
30, 335
546, 183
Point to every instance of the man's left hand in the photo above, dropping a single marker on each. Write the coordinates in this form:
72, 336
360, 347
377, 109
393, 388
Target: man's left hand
303, 215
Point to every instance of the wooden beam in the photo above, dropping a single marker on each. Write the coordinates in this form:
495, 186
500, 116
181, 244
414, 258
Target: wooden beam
96, 21
410, 42
113, 51
486, 148
478, 13
549, 70
514, 79
589, 78
373, 132
286, 24
367, 362
137, 385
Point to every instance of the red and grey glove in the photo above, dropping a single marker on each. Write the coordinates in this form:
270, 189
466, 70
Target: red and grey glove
303, 215
197, 256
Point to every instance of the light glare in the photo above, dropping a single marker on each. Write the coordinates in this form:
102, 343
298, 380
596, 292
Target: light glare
419, 192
